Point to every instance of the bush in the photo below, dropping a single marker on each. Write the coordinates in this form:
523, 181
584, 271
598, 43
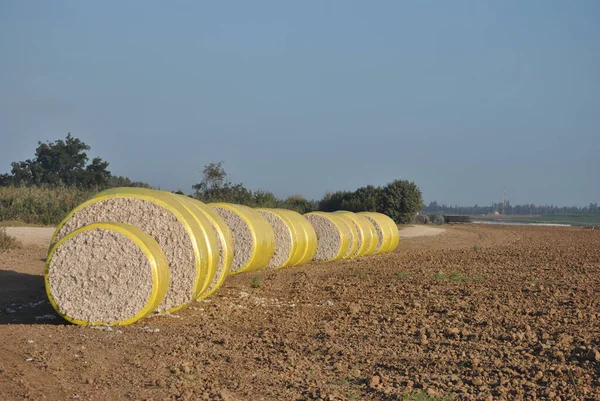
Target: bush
364, 199
421, 219
437, 219
400, 200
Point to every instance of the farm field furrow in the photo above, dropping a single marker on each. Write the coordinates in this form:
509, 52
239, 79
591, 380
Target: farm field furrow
475, 313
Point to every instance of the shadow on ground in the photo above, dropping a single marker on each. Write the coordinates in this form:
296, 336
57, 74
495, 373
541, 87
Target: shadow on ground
23, 300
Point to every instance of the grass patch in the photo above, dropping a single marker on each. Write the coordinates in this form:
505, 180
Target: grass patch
7, 241
401, 275
255, 282
458, 277
422, 396
476, 248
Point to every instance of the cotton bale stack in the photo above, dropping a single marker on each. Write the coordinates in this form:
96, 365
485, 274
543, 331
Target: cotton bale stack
182, 237
387, 231
253, 237
106, 274
333, 236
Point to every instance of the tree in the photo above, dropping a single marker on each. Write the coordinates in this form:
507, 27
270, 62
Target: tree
401, 200
120, 181
64, 163
216, 187
60, 163
299, 204
265, 199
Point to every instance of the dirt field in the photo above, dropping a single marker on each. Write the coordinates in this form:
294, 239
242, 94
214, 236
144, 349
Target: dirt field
476, 313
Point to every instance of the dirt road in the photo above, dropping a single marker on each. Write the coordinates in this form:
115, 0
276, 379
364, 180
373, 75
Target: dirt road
32, 236
478, 313
41, 236
420, 231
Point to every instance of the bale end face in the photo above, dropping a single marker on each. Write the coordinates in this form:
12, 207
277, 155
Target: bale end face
243, 244
158, 218
106, 273
329, 237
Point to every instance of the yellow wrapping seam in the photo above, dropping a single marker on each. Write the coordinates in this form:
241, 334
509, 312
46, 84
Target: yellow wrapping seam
208, 236
371, 235
342, 230
395, 233
226, 249
307, 243
263, 237
167, 201
294, 237
158, 264
311, 247
364, 228
353, 235
385, 230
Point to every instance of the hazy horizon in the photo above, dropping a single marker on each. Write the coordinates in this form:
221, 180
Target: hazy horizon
461, 97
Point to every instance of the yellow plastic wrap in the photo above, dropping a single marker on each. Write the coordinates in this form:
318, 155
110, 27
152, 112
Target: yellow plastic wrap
307, 238
295, 236
226, 246
350, 253
169, 202
342, 229
263, 237
364, 228
385, 230
158, 264
206, 218
389, 228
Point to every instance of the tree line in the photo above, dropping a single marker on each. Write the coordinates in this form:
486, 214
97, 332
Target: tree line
65, 164
518, 210
400, 199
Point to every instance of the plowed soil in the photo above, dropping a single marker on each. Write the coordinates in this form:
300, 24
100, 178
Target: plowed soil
476, 313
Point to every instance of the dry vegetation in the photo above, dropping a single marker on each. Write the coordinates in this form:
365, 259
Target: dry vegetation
38, 205
7, 241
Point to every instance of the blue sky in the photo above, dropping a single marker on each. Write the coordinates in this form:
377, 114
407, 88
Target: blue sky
305, 97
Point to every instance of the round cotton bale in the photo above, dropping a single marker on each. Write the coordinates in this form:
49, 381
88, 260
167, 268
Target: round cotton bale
220, 254
161, 215
106, 274
307, 238
332, 233
353, 234
364, 232
387, 228
253, 237
286, 237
